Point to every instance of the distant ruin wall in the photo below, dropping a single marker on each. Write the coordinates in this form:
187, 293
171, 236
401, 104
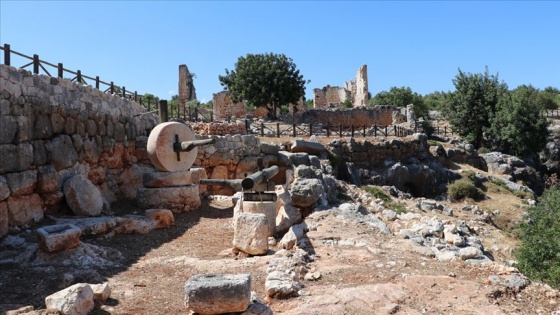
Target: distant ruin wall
355, 90
187, 92
360, 116
224, 107
52, 129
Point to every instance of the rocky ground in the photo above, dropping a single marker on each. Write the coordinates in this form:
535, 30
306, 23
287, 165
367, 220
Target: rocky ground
367, 255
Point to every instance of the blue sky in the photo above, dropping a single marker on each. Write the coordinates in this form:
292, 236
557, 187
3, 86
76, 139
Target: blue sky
140, 44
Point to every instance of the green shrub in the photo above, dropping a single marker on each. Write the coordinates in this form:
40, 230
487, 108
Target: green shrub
388, 202
463, 188
539, 251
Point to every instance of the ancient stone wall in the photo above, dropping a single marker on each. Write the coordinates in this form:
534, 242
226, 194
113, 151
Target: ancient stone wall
370, 155
219, 128
52, 129
224, 107
360, 116
187, 92
355, 90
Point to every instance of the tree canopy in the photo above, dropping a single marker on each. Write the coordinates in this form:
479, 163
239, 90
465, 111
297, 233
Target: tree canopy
471, 105
265, 80
517, 127
402, 96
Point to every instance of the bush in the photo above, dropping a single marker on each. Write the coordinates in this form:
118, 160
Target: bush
388, 202
462, 189
539, 251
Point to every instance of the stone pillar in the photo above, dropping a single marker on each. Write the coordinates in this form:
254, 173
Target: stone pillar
187, 91
410, 117
361, 87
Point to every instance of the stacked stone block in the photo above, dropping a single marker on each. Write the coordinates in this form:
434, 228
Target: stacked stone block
52, 129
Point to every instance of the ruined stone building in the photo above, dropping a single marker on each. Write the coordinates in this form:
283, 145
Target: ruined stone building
187, 91
225, 107
334, 96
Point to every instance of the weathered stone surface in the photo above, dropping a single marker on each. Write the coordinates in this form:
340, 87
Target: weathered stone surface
4, 188
267, 208
101, 292
58, 237
315, 148
134, 224
91, 226
22, 183
42, 128
162, 217
251, 233
47, 179
15, 158
61, 151
167, 179
8, 130
74, 300
306, 192
25, 209
83, 197
269, 148
217, 294
176, 199
294, 234
4, 219
287, 216
131, 180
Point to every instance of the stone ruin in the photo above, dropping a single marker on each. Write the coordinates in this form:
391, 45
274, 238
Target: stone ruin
334, 96
187, 92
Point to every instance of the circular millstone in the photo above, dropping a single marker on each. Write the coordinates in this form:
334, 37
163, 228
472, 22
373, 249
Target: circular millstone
160, 147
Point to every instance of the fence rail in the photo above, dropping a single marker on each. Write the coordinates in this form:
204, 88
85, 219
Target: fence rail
77, 76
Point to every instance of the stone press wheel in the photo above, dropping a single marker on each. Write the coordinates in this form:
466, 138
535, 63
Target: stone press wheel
160, 147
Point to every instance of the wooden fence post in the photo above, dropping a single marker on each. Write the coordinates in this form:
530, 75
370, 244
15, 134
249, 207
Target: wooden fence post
97, 82
385, 130
162, 111
124, 94
7, 54
328, 130
247, 126
196, 114
36, 64
212, 117
294, 131
262, 129
79, 76
444, 130
113, 90
364, 130
277, 130
310, 129
60, 70
375, 130
352, 128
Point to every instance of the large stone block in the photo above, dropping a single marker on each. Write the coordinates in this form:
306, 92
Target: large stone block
42, 128
74, 300
131, 179
268, 208
168, 179
4, 188
251, 233
217, 294
306, 192
83, 197
161, 217
25, 209
58, 237
47, 179
176, 199
15, 158
61, 152
22, 183
8, 130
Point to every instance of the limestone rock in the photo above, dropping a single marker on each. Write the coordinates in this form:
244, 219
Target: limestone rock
4, 188
251, 233
58, 237
130, 224
314, 148
101, 292
176, 199
22, 183
74, 300
217, 294
3, 219
287, 216
25, 209
83, 197
306, 192
162, 217
267, 208
294, 234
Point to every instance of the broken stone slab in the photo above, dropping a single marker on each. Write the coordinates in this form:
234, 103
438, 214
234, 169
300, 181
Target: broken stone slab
91, 226
251, 233
287, 216
266, 208
74, 300
306, 192
58, 237
162, 217
130, 224
294, 234
168, 179
83, 197
176, 199
101, 292
314, 148
218, 293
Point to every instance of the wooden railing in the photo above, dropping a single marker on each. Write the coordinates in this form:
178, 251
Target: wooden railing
77, 76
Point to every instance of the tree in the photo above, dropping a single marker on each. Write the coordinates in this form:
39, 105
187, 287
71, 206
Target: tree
471, 105
150, 100
267, 80
434, 100
517, 127
402, 96
549, 98
538, 252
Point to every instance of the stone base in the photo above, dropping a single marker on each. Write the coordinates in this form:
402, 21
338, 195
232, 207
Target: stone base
176, 199
251, 233
58, 237
217, 294
268, 208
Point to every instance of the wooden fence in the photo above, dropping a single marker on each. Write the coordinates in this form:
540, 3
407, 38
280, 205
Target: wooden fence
77, 76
